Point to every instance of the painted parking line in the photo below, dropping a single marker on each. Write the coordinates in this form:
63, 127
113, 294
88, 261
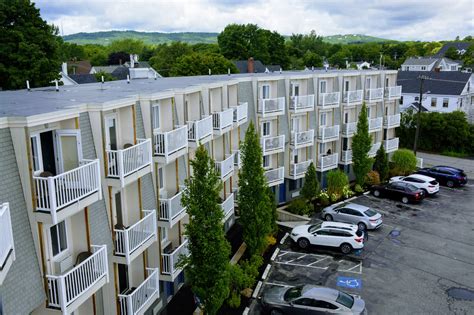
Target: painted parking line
313, 260
279, 284
284, 238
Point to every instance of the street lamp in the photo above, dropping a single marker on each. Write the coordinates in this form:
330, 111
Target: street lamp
422, 79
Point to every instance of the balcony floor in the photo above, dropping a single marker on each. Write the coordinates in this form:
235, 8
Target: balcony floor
116, 182
166, 159
122, 259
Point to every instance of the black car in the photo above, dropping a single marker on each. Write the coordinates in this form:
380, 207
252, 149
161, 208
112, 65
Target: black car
446, 175
400, 191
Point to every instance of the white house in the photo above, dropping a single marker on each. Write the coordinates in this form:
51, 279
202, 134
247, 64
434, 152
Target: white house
430, 64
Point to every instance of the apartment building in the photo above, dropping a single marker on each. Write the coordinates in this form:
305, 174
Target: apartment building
94, 174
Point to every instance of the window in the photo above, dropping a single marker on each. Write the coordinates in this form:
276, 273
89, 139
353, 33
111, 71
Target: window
400, 101
293, 293
322, 148
304, 301
295, 124
345, 299
346, 117
58, 234
445, 102
161, 180
322, 119
155, 112
346, 86
322, 87
453, 68
370, 213
324, 304
423, 68
36, 154
266, 161
416, 98
367, 83
386, 82
368, 111
266, 127
295, 89
265, 91
163, 234
434, 100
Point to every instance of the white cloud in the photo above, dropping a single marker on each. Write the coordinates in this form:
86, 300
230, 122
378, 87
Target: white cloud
394, 19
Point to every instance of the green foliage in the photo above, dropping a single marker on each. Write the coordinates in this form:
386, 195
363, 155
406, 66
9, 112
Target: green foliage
310, 189
107, 76
29, 49
207, 267
347, 192
404, 162
323, 198
243, 276
256, 208
72, 51
373, 178
166, 56
361, 143
358, 189
337, 180
452, 53
299, 206
199, 63
381, 163
127, 45
96, 54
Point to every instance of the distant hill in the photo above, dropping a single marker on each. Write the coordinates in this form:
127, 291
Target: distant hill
192, 37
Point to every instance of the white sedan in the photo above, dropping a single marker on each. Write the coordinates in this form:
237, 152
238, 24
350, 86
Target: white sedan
428, 184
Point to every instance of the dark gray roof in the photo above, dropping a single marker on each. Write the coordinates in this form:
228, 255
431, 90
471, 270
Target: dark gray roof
442, 83
273, 68
120, 73
258, 66
457, 45
413, 61
83, 78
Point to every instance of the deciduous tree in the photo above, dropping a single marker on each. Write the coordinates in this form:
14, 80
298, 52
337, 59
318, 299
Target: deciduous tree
200, 63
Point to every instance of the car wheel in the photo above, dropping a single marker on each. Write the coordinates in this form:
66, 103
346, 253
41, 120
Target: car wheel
362, 227
425, 192
405, 200
303, 243
450, 183
328, 217
376, 193
276, 312
346, 248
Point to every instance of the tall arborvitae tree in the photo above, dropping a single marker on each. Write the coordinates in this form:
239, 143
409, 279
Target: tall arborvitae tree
207, 267
255, 206
361, 143
381, 163
310, 189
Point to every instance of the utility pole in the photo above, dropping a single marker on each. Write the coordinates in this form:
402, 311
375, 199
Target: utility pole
417, 132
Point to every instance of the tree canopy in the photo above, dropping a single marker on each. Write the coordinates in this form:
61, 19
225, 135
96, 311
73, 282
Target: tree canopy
199, 63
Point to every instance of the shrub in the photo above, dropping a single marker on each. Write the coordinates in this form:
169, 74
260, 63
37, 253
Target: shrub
336, 182
242, 276
271, 240
323, 198
404, 162
310, 189
373, 178
299, 206
347, 192
381, 163
334, 197
358, 189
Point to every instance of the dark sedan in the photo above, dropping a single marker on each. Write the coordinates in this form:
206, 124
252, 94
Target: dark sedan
445, 175
400, 191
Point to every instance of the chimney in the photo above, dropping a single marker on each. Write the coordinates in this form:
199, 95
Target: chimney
250, 65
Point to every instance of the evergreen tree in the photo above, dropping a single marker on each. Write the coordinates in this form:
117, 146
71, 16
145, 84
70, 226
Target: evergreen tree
310, 189
207, 267
361, 143
255, 206
381, 163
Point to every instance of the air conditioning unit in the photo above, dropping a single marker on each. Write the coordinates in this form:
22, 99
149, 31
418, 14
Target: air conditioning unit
64, 265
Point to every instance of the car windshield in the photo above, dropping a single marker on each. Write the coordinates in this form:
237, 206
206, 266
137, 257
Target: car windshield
412, 188
293, 293
370, 213
345, 299
313, 228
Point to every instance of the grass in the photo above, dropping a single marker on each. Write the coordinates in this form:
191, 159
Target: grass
456, 154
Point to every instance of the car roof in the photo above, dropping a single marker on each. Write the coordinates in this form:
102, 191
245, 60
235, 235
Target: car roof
422, 177
339, 225
448, 168
356, 206
312, 291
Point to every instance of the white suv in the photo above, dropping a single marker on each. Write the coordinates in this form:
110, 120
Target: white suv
429, 185
332, 234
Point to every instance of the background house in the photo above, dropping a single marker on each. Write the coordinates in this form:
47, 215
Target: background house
430, 64
254, 66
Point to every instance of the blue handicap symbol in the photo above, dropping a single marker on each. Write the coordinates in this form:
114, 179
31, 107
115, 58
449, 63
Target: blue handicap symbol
347, 282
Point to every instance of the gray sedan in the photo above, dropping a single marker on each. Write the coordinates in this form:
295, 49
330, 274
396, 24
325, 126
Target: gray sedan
364, 217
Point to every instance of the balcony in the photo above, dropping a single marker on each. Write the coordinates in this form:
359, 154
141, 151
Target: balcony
271, 107
225, 168
138, 301
222, 121
132, 241
352, 97
227, 206
391, 121
200, 131
69, 290
170, 145
302, 103
373, 149
302, 139
329, 100
271, 145
391, 145
129, 164
61, 196
326, 133
327, 162
170, 260
237, 159
374, 95
171, 210
275, 176
346, 157
298, 170
375, 124
349, 129
240, 114
393, 92
7, 248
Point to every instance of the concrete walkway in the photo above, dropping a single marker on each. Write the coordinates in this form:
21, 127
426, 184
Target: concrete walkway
433, 159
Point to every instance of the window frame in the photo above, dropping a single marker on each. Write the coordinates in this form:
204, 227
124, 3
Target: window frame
321, 86
266, 86
269, 123
37, 139
156, 108
445, 102
434, 101
61, 252
268, 159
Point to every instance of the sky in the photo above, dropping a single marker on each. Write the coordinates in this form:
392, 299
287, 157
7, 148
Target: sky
392, 19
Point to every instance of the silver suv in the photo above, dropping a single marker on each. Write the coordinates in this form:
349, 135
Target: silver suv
364, 217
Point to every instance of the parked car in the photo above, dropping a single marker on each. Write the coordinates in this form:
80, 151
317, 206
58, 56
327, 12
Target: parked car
310, 299
344, 236
400, 191
445, 175
428, 184
363, 216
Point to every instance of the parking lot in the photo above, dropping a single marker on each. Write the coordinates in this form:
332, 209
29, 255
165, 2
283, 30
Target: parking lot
420, 261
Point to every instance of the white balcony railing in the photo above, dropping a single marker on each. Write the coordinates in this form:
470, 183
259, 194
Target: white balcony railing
299, 169
132, 303
240, 113
375, 124
223, 119
56, 192
349, 129
373, 149
391, 121
170, 260
327, 162
391, 144
302, 103
169, 142
329, 99
346, 156
7, 248
226, 167
372, 95
419, 162
171, 208
237, 159
271, 106
199, 129
227, 205
64, 289
128, 240
275, 176
302, 139
328, 133
393, 91
121, 163
353, 97
271, 144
